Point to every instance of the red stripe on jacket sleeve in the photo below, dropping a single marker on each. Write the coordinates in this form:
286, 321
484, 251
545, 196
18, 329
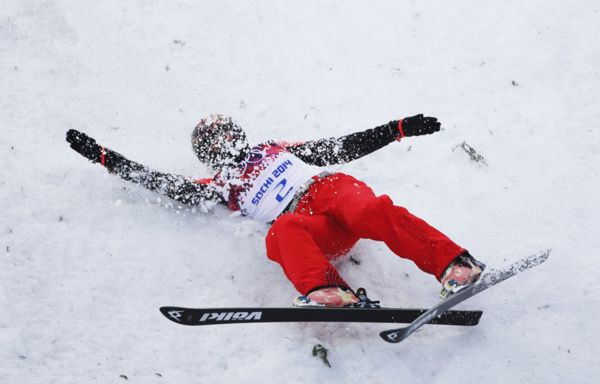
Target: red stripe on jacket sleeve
203, 181
400, 130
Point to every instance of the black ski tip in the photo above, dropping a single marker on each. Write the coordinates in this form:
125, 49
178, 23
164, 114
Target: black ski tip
395, 336
164, 310
175, 314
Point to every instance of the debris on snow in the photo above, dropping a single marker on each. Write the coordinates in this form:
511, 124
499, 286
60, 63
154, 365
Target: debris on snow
473, 154
321, 352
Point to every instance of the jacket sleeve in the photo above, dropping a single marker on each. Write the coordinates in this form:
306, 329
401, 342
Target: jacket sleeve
175, 187
343, 149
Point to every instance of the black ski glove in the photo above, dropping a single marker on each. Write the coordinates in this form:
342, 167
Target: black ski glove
88, 148
418, 125
84, 145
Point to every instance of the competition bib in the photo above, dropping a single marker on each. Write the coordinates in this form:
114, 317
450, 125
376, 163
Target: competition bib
275, 186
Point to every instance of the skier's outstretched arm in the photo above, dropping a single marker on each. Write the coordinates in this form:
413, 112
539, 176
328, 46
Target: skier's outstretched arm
343, 149
174, 186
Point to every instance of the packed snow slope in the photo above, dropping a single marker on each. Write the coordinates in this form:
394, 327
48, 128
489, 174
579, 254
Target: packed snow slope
87, 259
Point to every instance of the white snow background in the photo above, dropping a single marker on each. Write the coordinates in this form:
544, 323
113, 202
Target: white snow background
87, 259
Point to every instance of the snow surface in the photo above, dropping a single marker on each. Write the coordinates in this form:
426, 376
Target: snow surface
87, 259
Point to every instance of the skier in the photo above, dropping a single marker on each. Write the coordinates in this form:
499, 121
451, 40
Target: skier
315, 215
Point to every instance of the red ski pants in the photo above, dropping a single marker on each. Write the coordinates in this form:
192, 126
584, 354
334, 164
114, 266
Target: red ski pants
332, 216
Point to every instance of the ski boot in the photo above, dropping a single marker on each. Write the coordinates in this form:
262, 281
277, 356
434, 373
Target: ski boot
462, 271
336, 297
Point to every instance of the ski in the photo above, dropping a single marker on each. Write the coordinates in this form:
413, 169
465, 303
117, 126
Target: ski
488, 280
209, 316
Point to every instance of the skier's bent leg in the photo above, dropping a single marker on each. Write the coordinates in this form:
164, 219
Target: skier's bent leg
300, 244
405, 234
